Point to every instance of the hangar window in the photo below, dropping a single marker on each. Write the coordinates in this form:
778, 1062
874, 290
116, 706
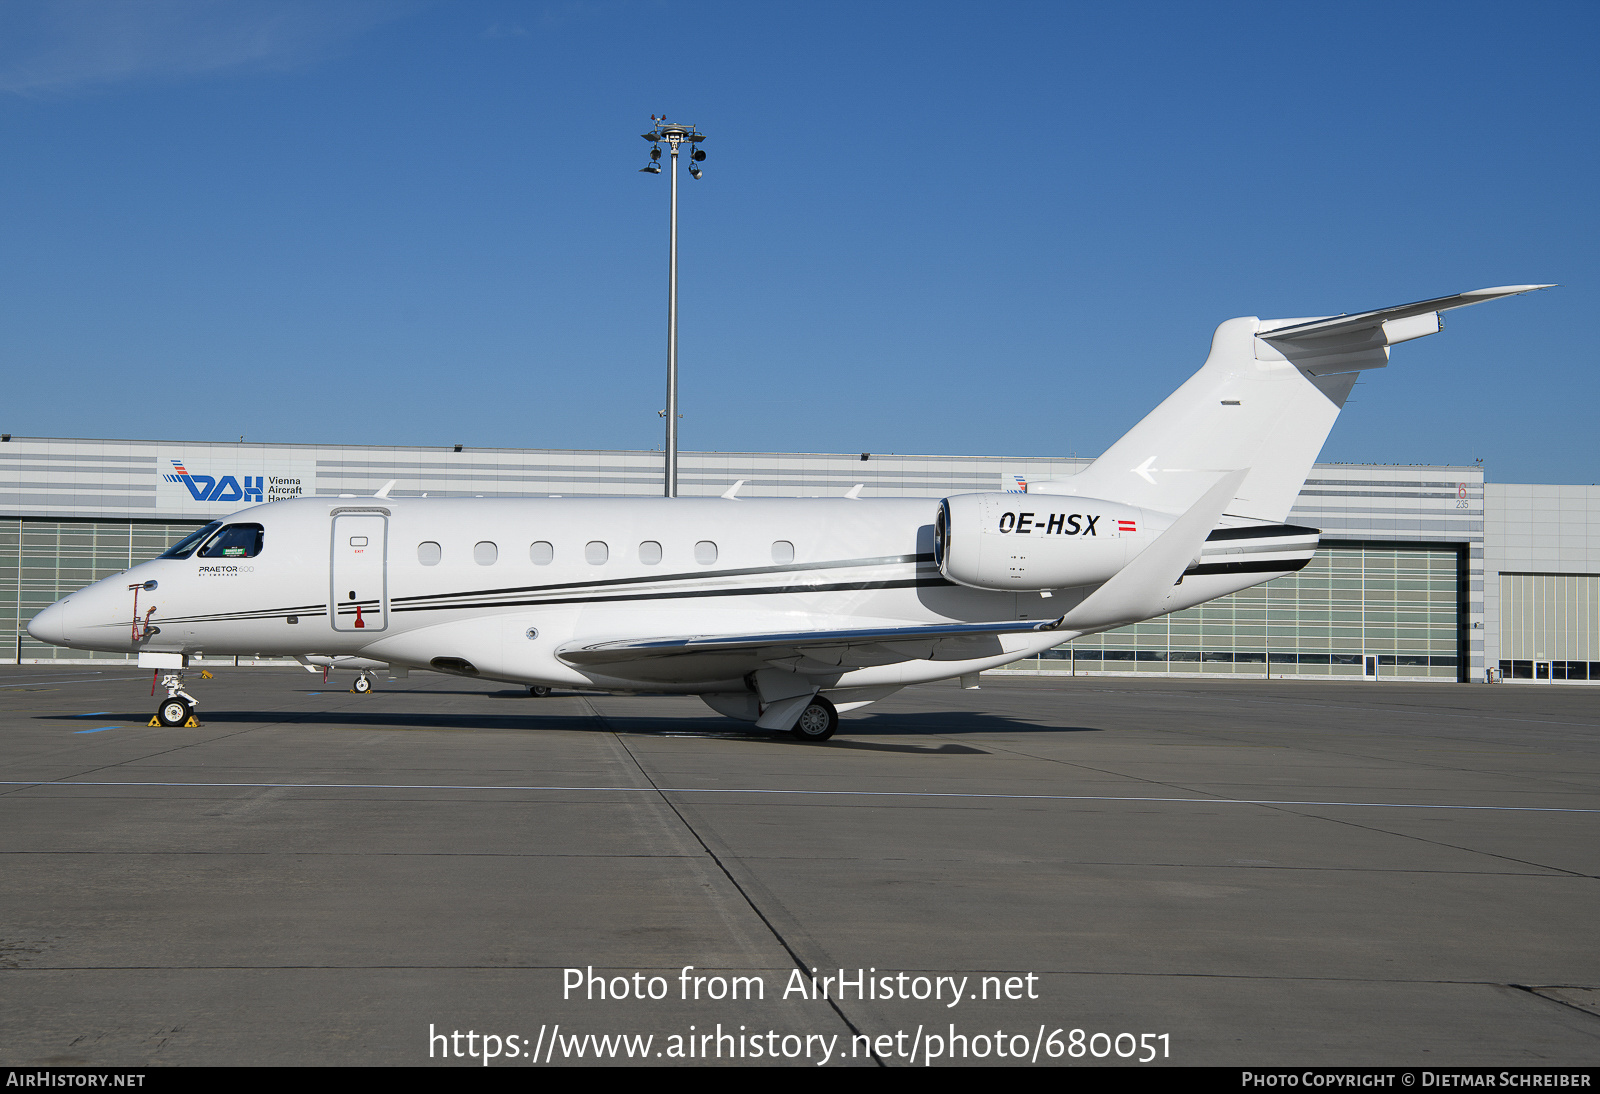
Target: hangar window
235, 541
185, 546
782, 552
541, 553
596, 552
484, 553
705, 552
649, 552
429, 553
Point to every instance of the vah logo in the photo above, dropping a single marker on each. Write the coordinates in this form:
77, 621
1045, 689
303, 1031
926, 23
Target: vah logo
209, 488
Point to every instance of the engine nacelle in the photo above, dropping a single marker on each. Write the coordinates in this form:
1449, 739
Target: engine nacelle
1038, 541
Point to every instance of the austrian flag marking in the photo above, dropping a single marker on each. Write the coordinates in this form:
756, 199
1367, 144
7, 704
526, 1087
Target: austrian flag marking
1126, 526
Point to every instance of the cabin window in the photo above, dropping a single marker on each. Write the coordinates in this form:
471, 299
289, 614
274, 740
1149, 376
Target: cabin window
235, 541
485, 553
782, 551
185, 546
541, 553
705, 552
649, 552
595, 552
429, 553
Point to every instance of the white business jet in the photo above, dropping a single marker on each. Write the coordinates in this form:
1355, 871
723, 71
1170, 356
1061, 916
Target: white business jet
778, 611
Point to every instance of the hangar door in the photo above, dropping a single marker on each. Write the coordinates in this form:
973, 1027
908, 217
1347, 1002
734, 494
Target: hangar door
359, 596
1550, 626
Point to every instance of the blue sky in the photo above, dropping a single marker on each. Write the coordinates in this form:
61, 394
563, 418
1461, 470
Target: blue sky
923, 227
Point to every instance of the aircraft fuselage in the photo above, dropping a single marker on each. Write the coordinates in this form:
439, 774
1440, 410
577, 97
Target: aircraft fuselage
503, 584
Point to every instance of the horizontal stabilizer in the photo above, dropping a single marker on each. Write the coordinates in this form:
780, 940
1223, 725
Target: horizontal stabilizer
1391, 318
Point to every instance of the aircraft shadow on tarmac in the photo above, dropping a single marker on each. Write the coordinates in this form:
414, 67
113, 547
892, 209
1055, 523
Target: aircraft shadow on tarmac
948, 722
879, 725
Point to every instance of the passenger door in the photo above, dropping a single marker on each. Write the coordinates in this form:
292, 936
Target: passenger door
359, 595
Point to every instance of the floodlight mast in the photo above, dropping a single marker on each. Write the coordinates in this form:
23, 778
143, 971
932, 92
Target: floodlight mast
672, 135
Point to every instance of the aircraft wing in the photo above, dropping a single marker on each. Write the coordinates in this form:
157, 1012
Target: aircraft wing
712, 656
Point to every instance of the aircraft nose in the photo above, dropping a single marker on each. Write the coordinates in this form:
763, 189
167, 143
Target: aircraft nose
50, 625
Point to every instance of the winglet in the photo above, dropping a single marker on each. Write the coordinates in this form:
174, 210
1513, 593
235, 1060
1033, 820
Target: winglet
732, 492
383, 492
854, 493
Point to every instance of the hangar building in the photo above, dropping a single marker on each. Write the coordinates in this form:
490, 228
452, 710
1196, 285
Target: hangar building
1424, 572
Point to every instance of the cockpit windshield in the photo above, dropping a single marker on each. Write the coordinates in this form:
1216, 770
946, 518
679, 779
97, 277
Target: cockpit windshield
185, 546
235, 541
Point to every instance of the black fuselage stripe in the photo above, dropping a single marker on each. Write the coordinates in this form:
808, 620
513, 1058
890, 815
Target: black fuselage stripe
349, 608
475, 597
1271, 531
484, 599
690, 594
253, 613
1263, 566
1249, 567
701, 575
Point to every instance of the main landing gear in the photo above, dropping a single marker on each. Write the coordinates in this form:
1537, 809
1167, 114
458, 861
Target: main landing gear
178, 708
817, 722
538, 691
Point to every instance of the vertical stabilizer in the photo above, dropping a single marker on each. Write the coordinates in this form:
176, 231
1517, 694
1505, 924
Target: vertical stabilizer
1265, 399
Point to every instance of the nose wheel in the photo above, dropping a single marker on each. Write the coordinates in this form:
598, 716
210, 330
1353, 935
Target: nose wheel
362, 685
174, 712
178, 708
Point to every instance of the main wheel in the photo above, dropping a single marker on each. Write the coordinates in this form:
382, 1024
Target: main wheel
361, 686
538, 691
174, 712
817, 722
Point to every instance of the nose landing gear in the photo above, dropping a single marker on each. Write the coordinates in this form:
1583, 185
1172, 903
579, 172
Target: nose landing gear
362, 684
178, 708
